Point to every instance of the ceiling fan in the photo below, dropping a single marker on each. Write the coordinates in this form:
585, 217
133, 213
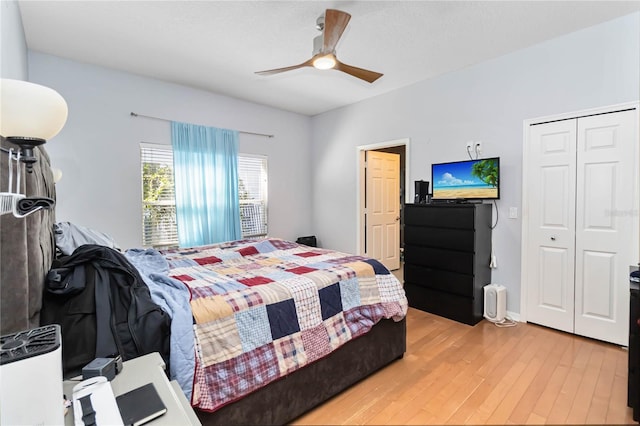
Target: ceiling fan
332, 25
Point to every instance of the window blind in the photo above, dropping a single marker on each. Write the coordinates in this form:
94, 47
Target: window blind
158, 197
252, 190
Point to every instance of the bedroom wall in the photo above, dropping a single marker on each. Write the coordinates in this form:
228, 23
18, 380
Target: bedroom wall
488, 102
13, 60
98, 149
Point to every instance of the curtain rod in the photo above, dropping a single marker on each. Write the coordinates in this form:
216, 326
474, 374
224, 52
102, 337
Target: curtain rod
134, 114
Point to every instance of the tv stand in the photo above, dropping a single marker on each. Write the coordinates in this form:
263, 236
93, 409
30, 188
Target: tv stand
446, 258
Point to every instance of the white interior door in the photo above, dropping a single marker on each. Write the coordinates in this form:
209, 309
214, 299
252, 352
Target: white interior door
604, 225
551, 250
582, 231
383, 208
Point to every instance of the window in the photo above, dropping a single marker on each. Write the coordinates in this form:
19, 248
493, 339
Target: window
158, 201
252, 191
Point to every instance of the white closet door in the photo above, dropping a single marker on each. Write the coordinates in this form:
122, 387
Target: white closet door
551, 247
606, 159
582, 224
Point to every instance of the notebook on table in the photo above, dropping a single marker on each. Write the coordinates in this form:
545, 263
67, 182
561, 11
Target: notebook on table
140, 405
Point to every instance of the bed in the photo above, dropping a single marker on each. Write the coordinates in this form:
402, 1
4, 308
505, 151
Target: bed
354, 302
279, 327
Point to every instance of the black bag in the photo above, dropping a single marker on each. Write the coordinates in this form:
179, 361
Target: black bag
308, 241
104, 308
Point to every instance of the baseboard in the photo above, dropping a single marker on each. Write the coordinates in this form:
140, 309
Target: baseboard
514, 316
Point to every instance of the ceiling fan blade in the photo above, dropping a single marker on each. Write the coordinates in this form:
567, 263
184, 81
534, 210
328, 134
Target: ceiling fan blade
335, 21
366, 75
279, 70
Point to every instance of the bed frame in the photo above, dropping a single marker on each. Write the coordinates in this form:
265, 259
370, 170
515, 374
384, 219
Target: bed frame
286, 399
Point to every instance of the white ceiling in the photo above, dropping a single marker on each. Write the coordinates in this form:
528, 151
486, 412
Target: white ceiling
218, 45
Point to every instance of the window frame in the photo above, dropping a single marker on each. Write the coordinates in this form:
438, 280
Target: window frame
248, 223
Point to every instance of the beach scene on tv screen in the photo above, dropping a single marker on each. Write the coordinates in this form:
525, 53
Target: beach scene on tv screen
474, 179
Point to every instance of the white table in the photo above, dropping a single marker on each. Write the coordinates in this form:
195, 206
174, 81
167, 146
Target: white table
140, 371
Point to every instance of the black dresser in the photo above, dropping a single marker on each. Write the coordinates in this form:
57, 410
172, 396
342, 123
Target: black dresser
447, 252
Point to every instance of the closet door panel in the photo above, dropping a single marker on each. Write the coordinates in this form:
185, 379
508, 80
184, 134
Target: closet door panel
551, 244
605, 237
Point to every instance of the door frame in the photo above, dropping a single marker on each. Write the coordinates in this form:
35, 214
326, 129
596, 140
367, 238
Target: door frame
525, 264
360, 181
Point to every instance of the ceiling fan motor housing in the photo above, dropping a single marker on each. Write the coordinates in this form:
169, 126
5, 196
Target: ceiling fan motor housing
318, 42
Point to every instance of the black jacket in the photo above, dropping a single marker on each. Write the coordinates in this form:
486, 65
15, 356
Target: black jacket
104, 309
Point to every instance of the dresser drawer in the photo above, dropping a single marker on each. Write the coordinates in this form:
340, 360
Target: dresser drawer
452, 306
452, 239
447, 260
455, 217
437, 279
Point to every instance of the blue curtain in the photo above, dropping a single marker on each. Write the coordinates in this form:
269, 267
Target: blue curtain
205, 166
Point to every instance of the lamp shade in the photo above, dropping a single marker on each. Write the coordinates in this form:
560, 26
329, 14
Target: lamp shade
29, 110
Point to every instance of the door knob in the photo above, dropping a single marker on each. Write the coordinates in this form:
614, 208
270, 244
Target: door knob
397, 218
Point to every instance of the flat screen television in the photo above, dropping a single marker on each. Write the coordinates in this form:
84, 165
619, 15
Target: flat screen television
466, 180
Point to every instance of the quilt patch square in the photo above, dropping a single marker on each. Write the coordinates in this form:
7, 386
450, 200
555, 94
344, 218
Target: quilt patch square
330, 301
219, 341
361, 269
378, 268
305, 296
265, 246
272, 293
339, 333
360, 320
278, 274
246, 373
248, 251
290, 353
369, 293
182, 277
388, 288
180, 262
283, 318
300, 270
316, 342
228, 255
322, 279
350, 293
269, 262
243, 300
207, 260
253, 328
205, 289
207, 309
255, 281
307, 254
283, 244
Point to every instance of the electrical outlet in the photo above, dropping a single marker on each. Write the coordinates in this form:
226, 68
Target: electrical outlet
513, 212
478, 147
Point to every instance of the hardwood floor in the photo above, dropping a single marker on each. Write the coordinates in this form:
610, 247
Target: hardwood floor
457, 374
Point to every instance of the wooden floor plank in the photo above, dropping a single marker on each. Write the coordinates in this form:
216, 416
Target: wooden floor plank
457, 374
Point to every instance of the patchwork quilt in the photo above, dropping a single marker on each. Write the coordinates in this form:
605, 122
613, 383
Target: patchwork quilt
265, 308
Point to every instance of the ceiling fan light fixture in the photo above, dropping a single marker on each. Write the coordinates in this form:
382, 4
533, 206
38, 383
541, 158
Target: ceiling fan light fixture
324, 62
